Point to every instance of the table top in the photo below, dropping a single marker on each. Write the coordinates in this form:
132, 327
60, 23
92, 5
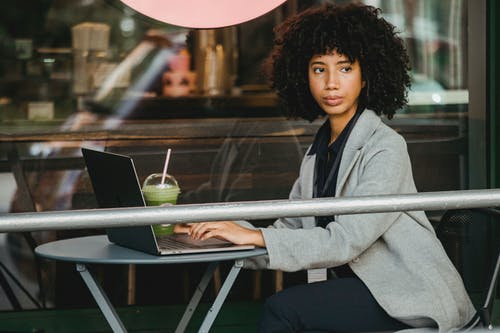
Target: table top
99, 250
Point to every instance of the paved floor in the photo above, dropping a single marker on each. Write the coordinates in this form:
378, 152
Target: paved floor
240, 317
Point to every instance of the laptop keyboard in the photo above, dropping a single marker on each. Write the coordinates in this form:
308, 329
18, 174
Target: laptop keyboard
168, 243
183, 242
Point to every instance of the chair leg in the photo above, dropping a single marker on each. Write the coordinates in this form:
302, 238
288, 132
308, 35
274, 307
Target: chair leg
8, 291
5, 284
278, 281
131, 276
217, 280
257, 285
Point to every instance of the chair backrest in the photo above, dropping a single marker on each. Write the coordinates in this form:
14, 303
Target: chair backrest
470, 230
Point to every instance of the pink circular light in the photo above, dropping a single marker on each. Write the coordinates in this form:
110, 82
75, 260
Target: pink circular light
203, 13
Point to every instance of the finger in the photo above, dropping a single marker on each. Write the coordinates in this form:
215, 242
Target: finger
207, 235
211, 234
198, 230
193, 227
181, 228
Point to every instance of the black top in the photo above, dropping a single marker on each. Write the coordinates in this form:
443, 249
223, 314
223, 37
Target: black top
328, 159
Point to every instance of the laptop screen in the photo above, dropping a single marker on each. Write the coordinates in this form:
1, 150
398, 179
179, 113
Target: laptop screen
115, 184
114, 179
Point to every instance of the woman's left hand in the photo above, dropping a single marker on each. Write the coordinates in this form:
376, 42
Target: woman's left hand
227, 230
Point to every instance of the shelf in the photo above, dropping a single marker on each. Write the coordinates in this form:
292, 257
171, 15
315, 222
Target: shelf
255, 105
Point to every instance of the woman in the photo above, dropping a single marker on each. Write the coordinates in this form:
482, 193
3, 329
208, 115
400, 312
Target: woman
346, 62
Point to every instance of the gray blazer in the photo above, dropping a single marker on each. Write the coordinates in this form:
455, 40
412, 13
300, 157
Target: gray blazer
397, 255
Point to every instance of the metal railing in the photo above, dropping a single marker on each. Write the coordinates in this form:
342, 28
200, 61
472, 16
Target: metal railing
251, 210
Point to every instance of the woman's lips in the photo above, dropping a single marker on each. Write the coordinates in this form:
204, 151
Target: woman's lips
332, 100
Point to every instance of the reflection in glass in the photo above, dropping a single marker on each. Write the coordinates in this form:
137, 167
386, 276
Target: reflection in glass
229, 138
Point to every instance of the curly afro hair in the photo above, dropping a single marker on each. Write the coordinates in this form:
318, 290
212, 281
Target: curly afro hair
355, 31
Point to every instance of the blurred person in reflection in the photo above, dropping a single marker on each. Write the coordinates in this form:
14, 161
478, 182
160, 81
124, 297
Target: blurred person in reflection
390, 272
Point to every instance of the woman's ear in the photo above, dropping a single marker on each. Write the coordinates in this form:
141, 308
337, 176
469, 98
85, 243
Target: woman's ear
363, 83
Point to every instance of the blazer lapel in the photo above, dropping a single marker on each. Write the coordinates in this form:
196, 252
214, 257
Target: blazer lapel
363, 129
308, 176
307, 187
349, 158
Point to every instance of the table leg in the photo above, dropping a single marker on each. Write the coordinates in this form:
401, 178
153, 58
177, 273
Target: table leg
195, 299
221, 296
102, 300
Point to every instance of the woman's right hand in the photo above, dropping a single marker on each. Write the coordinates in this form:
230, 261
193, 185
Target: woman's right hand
227, 230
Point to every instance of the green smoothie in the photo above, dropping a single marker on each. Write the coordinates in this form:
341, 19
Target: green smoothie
156, 195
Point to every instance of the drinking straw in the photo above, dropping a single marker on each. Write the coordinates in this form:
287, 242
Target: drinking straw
167, 159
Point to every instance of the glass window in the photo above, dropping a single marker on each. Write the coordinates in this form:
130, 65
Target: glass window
435, 33
95, 73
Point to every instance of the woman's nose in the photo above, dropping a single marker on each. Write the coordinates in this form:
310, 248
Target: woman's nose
332, 82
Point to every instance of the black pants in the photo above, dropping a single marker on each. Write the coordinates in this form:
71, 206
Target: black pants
338, 305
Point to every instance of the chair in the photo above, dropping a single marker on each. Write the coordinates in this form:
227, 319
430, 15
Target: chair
458, 230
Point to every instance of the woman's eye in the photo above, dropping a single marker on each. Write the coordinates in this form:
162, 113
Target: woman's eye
318, 70
346, 69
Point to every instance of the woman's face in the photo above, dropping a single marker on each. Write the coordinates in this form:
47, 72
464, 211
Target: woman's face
335, 83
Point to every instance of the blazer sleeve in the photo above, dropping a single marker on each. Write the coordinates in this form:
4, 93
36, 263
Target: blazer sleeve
381, 168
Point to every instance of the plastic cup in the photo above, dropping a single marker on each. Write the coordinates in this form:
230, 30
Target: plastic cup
156, 194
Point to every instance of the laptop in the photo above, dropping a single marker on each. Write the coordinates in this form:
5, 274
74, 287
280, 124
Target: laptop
115, 183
